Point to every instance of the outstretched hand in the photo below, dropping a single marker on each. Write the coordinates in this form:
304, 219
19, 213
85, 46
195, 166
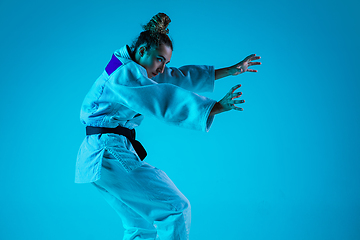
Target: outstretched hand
228, 102
244, 65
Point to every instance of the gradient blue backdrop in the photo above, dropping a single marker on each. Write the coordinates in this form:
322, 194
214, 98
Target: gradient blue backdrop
287, 167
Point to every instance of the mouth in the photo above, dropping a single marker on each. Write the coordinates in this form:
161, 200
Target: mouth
155, 74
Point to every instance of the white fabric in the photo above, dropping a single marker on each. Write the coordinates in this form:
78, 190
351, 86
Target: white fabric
148, 202
122, 99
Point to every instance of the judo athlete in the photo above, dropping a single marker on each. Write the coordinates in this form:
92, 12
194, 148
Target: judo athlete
135, 83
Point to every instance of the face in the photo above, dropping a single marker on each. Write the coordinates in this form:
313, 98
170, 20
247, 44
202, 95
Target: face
154, 60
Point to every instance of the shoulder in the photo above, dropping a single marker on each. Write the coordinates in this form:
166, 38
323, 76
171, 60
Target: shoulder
121, 64
129, 73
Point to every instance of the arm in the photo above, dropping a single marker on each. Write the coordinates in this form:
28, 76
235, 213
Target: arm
195, 78
239, 68
168, 102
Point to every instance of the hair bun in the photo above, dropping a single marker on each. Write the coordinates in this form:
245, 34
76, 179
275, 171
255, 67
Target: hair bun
158, 23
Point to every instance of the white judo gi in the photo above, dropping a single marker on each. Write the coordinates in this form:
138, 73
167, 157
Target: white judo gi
147, 201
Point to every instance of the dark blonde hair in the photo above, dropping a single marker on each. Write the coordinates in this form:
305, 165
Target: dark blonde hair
156, 33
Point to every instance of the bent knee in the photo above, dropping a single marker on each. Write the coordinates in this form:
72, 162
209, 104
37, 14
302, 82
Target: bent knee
183, 204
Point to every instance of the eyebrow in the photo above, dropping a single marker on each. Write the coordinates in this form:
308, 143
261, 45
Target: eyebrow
164, 58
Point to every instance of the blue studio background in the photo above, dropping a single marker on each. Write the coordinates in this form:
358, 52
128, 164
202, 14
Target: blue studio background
287, 167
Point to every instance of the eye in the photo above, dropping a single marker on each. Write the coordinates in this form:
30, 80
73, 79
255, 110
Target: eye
160, 59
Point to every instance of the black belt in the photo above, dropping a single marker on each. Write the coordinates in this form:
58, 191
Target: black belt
129, 134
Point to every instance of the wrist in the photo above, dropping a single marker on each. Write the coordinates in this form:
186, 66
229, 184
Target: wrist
218, 108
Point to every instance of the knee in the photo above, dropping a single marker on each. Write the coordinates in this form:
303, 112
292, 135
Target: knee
183, 204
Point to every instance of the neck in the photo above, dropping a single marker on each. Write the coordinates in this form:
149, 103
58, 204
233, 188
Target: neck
131, 53
135, 57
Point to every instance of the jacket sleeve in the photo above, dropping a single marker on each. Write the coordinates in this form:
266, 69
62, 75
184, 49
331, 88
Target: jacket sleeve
196, 78
173, 104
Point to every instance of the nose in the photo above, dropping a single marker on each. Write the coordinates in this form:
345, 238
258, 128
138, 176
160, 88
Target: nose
161, 68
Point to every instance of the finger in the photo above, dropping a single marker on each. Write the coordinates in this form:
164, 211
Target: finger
251, 70
254, 63
238, 108
249, 57
253, 57
236, 95
238, 101
232, 90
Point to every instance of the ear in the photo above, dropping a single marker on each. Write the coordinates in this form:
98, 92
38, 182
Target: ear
142, 51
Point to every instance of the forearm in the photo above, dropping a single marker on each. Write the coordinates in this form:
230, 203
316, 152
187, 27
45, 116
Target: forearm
195, 78
222, 72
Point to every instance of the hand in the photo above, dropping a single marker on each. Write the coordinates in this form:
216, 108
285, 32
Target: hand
242, 66
228, 103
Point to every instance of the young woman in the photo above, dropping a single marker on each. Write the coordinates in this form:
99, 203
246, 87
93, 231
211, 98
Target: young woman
136, 82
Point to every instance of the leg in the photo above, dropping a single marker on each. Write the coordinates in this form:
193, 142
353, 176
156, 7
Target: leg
136, 227
149, 193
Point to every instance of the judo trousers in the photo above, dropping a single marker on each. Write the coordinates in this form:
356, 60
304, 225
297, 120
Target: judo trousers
147, 201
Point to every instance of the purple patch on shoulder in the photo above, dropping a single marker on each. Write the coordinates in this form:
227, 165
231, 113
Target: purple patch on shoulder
113, 65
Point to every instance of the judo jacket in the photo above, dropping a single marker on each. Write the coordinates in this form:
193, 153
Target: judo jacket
123, 95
